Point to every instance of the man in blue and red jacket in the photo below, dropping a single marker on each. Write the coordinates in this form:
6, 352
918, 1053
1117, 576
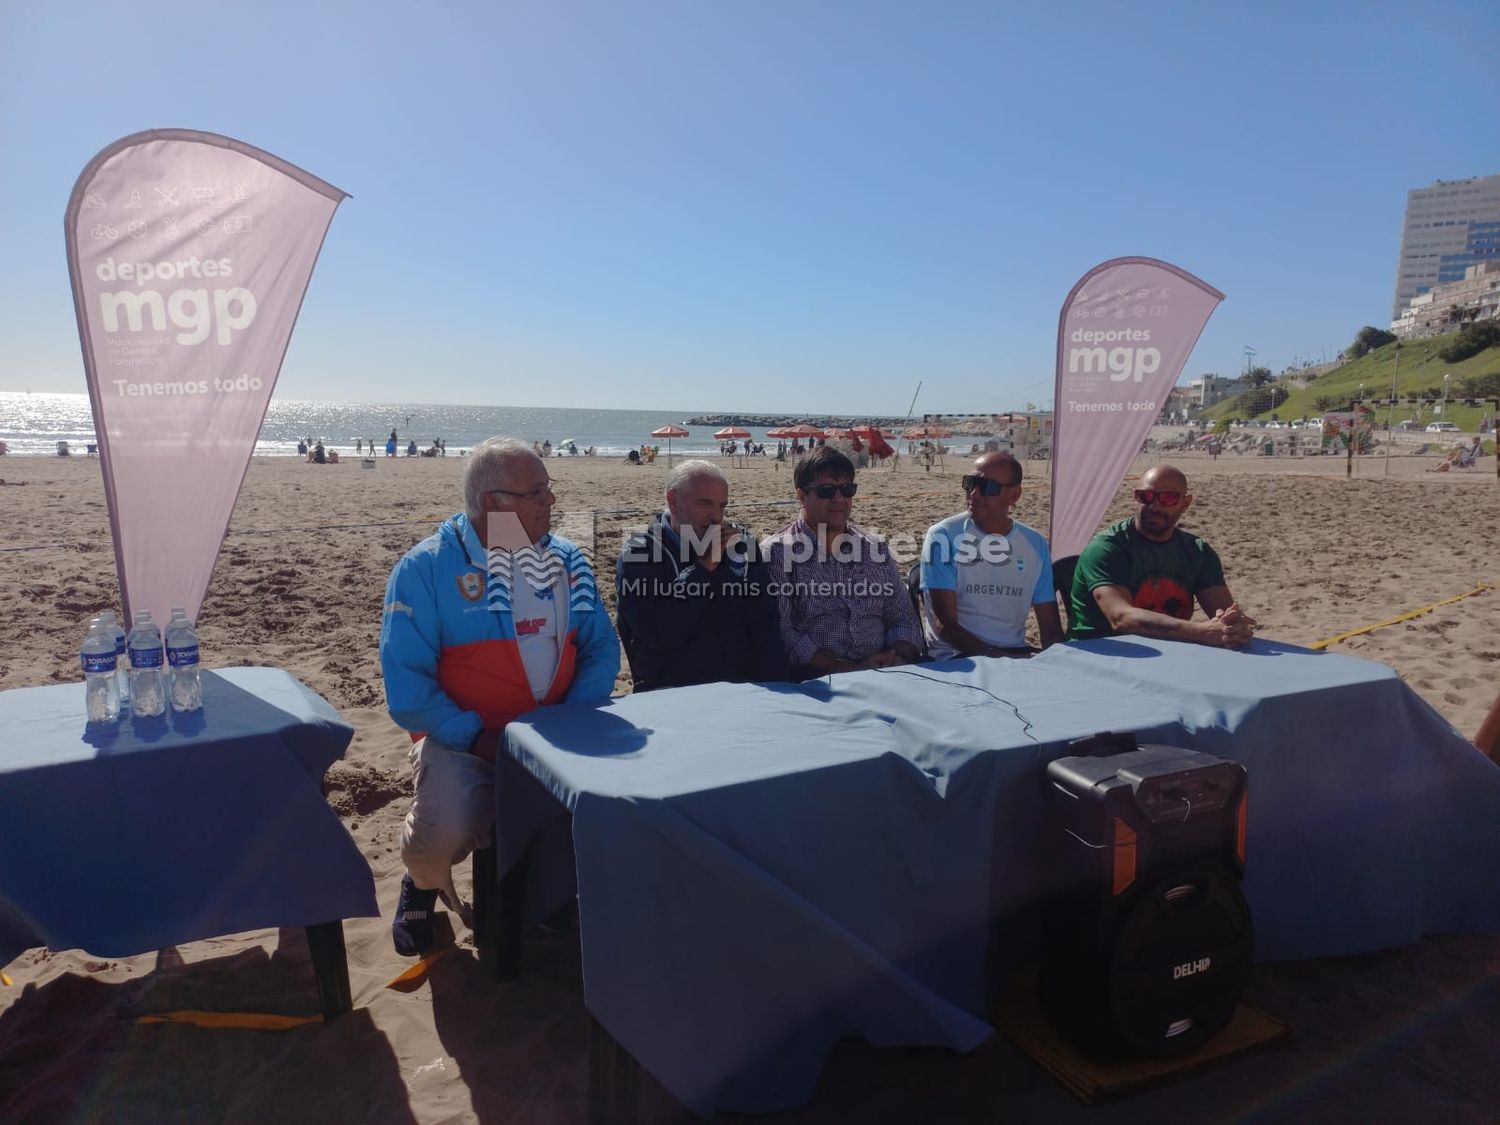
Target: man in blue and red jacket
485, 620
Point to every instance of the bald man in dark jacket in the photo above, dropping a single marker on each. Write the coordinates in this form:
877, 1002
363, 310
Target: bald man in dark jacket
694, 599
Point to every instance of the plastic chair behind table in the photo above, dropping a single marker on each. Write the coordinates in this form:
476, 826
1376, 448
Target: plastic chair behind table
914, 589
1062, 583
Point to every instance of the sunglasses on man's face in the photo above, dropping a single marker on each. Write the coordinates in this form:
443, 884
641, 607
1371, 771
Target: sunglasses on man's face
986, 486
826, 491
1154, 495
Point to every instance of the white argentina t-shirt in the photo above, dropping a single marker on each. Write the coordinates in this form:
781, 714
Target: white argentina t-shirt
997, 579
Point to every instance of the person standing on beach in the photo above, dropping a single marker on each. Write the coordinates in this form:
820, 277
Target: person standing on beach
983, 571
840, 598
485, 620
694, 598
1142, 574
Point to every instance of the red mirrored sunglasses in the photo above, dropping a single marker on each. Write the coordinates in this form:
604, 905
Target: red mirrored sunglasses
1152, 495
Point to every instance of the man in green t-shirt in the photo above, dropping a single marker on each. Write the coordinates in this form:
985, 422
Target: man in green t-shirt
1142, 574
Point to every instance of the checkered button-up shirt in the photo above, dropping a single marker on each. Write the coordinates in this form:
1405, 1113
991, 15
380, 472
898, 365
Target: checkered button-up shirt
851, 603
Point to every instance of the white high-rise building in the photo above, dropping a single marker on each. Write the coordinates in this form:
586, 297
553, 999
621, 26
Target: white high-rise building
1449, 226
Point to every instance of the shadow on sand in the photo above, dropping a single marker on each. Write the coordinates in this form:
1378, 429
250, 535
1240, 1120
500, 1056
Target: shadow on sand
70, 1050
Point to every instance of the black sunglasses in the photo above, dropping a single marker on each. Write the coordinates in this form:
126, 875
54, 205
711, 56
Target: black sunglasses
826, 491
985, 485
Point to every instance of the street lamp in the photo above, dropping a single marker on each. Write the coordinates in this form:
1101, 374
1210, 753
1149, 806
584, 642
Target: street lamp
1390, 414
1443, 409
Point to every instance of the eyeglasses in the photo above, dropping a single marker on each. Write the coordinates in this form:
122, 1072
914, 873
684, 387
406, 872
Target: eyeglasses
986, 486
535, 494
1153, 495
826, 491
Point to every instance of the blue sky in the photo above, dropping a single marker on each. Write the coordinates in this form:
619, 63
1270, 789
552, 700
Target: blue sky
773, 206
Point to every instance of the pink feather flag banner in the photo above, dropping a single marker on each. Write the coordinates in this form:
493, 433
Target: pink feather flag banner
190, 254
1123, 337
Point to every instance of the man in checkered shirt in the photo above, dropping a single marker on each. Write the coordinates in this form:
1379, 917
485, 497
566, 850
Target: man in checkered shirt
839, 594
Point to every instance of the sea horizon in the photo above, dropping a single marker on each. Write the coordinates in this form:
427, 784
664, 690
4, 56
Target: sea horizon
32, 423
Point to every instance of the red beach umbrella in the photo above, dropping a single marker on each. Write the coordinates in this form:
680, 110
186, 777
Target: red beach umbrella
669, 432
879, 447
731, 433
805, 430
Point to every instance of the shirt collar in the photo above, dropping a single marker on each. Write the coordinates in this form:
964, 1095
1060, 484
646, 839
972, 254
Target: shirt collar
474, 546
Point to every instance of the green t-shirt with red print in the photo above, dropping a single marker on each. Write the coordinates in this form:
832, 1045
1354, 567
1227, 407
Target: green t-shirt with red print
1163, 577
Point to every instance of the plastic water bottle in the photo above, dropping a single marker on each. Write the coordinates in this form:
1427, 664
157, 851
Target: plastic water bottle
147, 694
185, 683
122, 661
101, 691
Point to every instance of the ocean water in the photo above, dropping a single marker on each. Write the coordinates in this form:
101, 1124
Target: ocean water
32, 425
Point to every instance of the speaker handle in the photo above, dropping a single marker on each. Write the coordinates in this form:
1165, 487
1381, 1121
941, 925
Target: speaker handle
1105, 742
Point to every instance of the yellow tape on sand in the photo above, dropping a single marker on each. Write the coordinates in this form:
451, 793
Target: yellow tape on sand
254, 1021
419, 970
1404, 617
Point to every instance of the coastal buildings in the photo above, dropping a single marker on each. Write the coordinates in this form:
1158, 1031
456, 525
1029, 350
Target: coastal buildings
1210, 390
1450, 226
1450, 307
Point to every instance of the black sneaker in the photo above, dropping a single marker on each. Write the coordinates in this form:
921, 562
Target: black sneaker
413, 930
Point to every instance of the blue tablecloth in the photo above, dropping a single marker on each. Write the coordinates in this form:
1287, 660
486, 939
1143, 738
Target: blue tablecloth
126, 837
765, 870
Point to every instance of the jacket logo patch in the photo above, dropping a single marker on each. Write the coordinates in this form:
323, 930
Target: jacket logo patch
471, 585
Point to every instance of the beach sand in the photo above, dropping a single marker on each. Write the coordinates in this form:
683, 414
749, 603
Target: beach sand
1399, 1035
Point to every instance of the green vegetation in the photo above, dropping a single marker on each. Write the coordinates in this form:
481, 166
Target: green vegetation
1472, 340
1421, 374
1367, 340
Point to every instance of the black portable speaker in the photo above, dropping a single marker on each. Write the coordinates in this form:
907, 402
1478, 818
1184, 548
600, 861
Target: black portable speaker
1148, 938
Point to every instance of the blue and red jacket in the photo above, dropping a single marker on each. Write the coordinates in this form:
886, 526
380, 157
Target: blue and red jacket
451, 662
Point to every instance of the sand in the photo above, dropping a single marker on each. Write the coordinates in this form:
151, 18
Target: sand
1399, 1035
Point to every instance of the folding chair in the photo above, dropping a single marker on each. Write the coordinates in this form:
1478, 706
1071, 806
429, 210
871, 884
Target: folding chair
1062, 583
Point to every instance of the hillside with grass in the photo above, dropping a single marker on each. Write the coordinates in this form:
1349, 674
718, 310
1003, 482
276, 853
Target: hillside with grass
1421, 374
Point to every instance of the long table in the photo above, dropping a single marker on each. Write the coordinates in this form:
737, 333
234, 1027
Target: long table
763, 870
126, 837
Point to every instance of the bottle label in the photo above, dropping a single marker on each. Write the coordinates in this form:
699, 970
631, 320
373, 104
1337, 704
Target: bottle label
145, 658
119, 644
184, 657
97, 662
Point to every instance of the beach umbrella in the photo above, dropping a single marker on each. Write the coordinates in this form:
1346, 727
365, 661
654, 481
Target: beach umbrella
731, 433
802, 429
879, 447
669, 432
920, 432
779, 432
